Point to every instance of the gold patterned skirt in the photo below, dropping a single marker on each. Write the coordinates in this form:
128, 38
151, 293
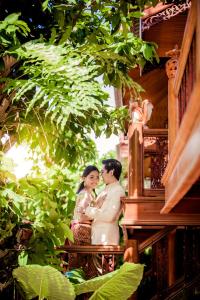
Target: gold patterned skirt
82, 236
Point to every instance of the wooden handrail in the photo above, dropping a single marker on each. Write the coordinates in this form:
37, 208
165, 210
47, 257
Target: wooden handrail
155, 132
142, 199
92, 249
155, 238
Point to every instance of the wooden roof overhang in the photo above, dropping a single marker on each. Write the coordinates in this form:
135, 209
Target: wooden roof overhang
162, 12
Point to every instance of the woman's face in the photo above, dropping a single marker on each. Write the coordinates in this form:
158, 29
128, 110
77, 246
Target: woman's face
91, 180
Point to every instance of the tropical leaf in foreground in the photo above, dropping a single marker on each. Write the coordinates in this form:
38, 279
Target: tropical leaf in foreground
44, 282
122, 285
93, 284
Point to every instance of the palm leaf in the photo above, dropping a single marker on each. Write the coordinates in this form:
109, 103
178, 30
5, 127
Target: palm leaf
44, 282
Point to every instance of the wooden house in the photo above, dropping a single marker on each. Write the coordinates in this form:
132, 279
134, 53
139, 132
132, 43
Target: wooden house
161, 221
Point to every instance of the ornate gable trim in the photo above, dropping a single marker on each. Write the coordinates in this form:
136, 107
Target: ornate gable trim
166, 14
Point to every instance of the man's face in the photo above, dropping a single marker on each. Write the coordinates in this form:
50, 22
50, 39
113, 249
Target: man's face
107, 176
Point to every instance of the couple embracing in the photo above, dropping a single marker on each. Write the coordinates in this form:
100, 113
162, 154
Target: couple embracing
95, 219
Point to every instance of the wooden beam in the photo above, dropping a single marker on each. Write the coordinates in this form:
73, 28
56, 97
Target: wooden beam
148, 213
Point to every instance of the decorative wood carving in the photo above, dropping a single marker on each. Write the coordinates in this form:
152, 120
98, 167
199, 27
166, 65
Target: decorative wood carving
171, 65
159, 162
166, 14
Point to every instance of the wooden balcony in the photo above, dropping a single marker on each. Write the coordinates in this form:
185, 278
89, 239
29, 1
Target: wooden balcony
183, 169
143, 211
143, 206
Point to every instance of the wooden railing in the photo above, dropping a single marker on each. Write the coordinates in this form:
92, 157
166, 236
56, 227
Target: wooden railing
183, 168
188, 79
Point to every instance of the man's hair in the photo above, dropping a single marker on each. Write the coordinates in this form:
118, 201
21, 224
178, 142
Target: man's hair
113, 164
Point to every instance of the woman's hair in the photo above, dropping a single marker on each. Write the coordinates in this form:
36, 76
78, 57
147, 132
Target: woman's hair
86, 172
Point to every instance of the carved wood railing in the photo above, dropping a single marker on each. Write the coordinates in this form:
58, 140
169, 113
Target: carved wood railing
148, 152
188, 79
183, 168
155, 149
95, 259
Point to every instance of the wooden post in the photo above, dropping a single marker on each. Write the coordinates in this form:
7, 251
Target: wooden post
171, 257
131, 252
135, 161
171, 68
131, 255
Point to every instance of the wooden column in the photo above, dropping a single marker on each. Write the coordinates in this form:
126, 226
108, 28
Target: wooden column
132, 255
171, 68
135, 161
171, 257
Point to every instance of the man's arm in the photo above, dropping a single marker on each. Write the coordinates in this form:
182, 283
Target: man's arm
110, 208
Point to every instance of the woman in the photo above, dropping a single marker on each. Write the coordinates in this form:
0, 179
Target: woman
81, 224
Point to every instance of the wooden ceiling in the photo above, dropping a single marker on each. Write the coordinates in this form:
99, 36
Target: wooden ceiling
167, 34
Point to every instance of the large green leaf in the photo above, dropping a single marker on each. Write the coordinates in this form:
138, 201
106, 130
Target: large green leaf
122, 285
93, 284
44, 282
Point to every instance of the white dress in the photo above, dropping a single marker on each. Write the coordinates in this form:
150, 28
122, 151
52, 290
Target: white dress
105, 229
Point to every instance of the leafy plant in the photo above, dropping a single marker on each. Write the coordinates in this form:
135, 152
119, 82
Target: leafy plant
44, 282
55, 101
51, 284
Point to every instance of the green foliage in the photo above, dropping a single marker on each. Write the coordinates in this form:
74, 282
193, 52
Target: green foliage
49, 283
122, 285
58, 97
45, 202
44, 282
76, 276
57, 102
9, 28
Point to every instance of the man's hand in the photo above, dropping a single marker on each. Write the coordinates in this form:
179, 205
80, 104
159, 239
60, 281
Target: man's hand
100, 201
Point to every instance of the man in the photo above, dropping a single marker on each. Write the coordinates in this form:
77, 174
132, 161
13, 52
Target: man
105, 229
